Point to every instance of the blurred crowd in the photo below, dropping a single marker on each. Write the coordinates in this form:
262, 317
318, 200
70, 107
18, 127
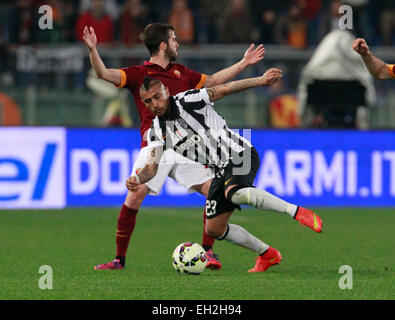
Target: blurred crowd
297, 23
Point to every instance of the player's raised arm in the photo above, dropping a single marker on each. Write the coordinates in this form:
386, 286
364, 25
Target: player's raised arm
148, 172
251, 56
378, 68
270, 77
110, 75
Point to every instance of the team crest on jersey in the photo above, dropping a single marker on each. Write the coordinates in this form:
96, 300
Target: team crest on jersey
182, 123
177, 73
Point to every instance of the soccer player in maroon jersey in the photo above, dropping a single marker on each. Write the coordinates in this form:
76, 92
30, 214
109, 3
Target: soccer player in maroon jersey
161, 42
378, 68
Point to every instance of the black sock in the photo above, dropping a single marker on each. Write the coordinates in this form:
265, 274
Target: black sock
207, 248
297, 211
122, 260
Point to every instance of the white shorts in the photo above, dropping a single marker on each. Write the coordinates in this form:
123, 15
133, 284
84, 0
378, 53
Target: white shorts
185, 171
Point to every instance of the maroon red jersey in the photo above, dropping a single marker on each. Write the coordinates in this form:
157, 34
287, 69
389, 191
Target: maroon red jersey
176, 77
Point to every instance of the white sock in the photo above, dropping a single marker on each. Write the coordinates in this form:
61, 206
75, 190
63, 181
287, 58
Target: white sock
240, 236
261, 199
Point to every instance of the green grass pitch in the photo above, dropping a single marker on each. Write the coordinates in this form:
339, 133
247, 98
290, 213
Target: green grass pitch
72, 241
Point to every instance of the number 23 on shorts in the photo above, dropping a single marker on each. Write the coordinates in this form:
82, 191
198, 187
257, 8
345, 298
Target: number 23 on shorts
210, 207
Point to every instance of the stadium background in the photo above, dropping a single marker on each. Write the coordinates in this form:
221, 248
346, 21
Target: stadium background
69, 140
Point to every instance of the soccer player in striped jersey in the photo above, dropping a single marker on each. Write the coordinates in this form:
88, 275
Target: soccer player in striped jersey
378, 68
160, 40
188, 124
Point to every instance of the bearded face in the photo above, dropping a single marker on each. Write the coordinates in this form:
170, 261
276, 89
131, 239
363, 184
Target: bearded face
172, 47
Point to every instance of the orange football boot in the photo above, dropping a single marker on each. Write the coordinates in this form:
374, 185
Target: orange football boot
270, 258
309, 219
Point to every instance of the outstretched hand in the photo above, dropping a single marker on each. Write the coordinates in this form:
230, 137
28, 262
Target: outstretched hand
254, 55
89, 37
271, 76
360, 46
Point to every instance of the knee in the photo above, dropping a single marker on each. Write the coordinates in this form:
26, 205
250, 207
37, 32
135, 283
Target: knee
235, 194
134, 199
213, 231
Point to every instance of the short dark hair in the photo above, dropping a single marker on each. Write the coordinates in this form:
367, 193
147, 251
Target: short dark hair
149, 82
154, 34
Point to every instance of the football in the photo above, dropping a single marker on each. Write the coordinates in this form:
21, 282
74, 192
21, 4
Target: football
189, 258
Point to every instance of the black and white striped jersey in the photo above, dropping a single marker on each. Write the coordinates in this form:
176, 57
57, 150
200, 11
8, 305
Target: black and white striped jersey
196, 131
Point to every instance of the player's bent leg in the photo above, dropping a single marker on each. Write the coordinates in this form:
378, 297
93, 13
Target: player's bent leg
222, 230
212, 229
261, 199
216, 226
268, 256
236, 234
210, 232
207, 243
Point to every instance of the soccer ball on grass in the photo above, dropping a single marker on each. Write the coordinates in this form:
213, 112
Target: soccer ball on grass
189, 258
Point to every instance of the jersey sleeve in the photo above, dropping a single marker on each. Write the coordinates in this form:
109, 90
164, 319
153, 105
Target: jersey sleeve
196, 79
198, 96
195, 99
129, 77
391, 69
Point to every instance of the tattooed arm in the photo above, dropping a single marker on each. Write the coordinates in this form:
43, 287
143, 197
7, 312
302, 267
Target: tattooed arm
148, 172
270, 77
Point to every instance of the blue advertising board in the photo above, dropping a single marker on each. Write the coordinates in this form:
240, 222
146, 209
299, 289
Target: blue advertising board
59, 167
328, 168
99, 162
